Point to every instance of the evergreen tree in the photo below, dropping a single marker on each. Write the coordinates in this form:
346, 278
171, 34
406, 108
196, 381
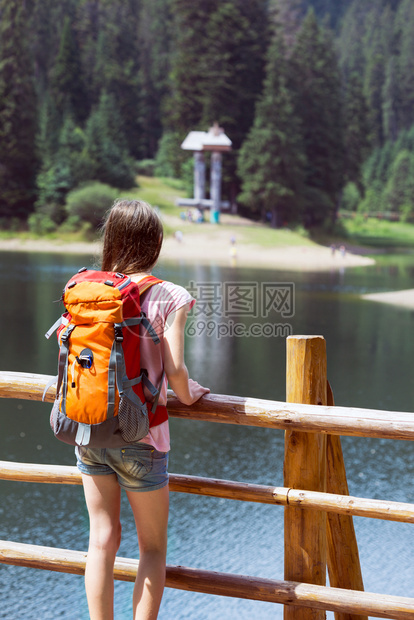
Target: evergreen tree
50, 125
189, 62
155, 35
376, 172
350, 42
391, 111
217, 68
18, 110
398, 194
370, 167
46, 22
234, 69
316, 87
88, 23
219, 60
117, 66
271, 161
43, 31
105, 157
387, 155
408, 139
170, 160
61, 172
67, 82
334, 9
288, 14
404, 32
356, 130
375, 42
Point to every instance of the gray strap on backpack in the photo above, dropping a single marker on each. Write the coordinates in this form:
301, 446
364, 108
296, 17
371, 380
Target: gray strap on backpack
117, 376
150, 329
54, 327
155, 403
48, 385
83, 435
145, 322
116, 370
62, 381
155, 393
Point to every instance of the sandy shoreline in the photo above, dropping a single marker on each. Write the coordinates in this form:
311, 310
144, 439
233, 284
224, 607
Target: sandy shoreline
291, 258
404, 299
215, 249
39, 245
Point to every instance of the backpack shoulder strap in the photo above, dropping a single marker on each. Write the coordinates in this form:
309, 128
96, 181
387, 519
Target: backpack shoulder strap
146, 283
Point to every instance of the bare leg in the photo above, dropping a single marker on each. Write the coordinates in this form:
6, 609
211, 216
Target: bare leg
103, 499
150, 510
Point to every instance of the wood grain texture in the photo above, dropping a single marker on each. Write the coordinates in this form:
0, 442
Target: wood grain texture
250, 411
229, 489
305, 468
344, 567
312, 597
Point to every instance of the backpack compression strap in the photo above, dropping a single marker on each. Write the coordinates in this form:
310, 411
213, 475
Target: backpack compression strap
63, 367
117, 377
144, 285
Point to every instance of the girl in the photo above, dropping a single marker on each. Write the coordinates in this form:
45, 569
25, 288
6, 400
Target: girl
132, 242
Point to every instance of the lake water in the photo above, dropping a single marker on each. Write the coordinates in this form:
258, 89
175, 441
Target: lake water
370, 360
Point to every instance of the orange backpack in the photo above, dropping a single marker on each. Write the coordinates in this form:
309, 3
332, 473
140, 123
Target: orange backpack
100, 398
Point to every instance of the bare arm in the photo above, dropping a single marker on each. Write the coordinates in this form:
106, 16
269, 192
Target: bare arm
186, 390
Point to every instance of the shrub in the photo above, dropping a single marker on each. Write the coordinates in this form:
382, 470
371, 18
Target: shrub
145, 167
40, 224
53, 184
90, 203
71, 224
11, 224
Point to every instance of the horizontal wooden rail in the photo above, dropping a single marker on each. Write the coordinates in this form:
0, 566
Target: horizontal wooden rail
228, 489
221, 584
251, 411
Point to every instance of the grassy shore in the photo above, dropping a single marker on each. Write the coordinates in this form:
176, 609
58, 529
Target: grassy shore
377, 233
256, 244
367, 233
163, 193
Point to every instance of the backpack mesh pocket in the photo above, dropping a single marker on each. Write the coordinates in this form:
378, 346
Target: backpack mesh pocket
54, 415
133, 420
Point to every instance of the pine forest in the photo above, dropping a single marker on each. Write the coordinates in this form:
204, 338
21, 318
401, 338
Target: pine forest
317, 97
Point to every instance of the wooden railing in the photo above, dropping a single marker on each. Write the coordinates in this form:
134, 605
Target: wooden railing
319, 532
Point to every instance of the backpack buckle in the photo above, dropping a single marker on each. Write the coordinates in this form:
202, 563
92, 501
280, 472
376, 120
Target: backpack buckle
119, 337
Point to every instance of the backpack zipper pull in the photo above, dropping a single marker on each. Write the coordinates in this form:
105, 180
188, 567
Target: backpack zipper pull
73, 373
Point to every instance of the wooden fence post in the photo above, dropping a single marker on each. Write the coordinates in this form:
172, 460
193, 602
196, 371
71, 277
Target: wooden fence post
305, 468
344, 568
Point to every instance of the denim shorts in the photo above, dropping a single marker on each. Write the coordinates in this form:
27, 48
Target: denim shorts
138, 467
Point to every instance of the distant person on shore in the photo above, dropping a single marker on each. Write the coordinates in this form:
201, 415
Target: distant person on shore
132, 242
233, 249
199, 218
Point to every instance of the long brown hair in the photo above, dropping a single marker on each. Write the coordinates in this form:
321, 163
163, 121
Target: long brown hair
132, 237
